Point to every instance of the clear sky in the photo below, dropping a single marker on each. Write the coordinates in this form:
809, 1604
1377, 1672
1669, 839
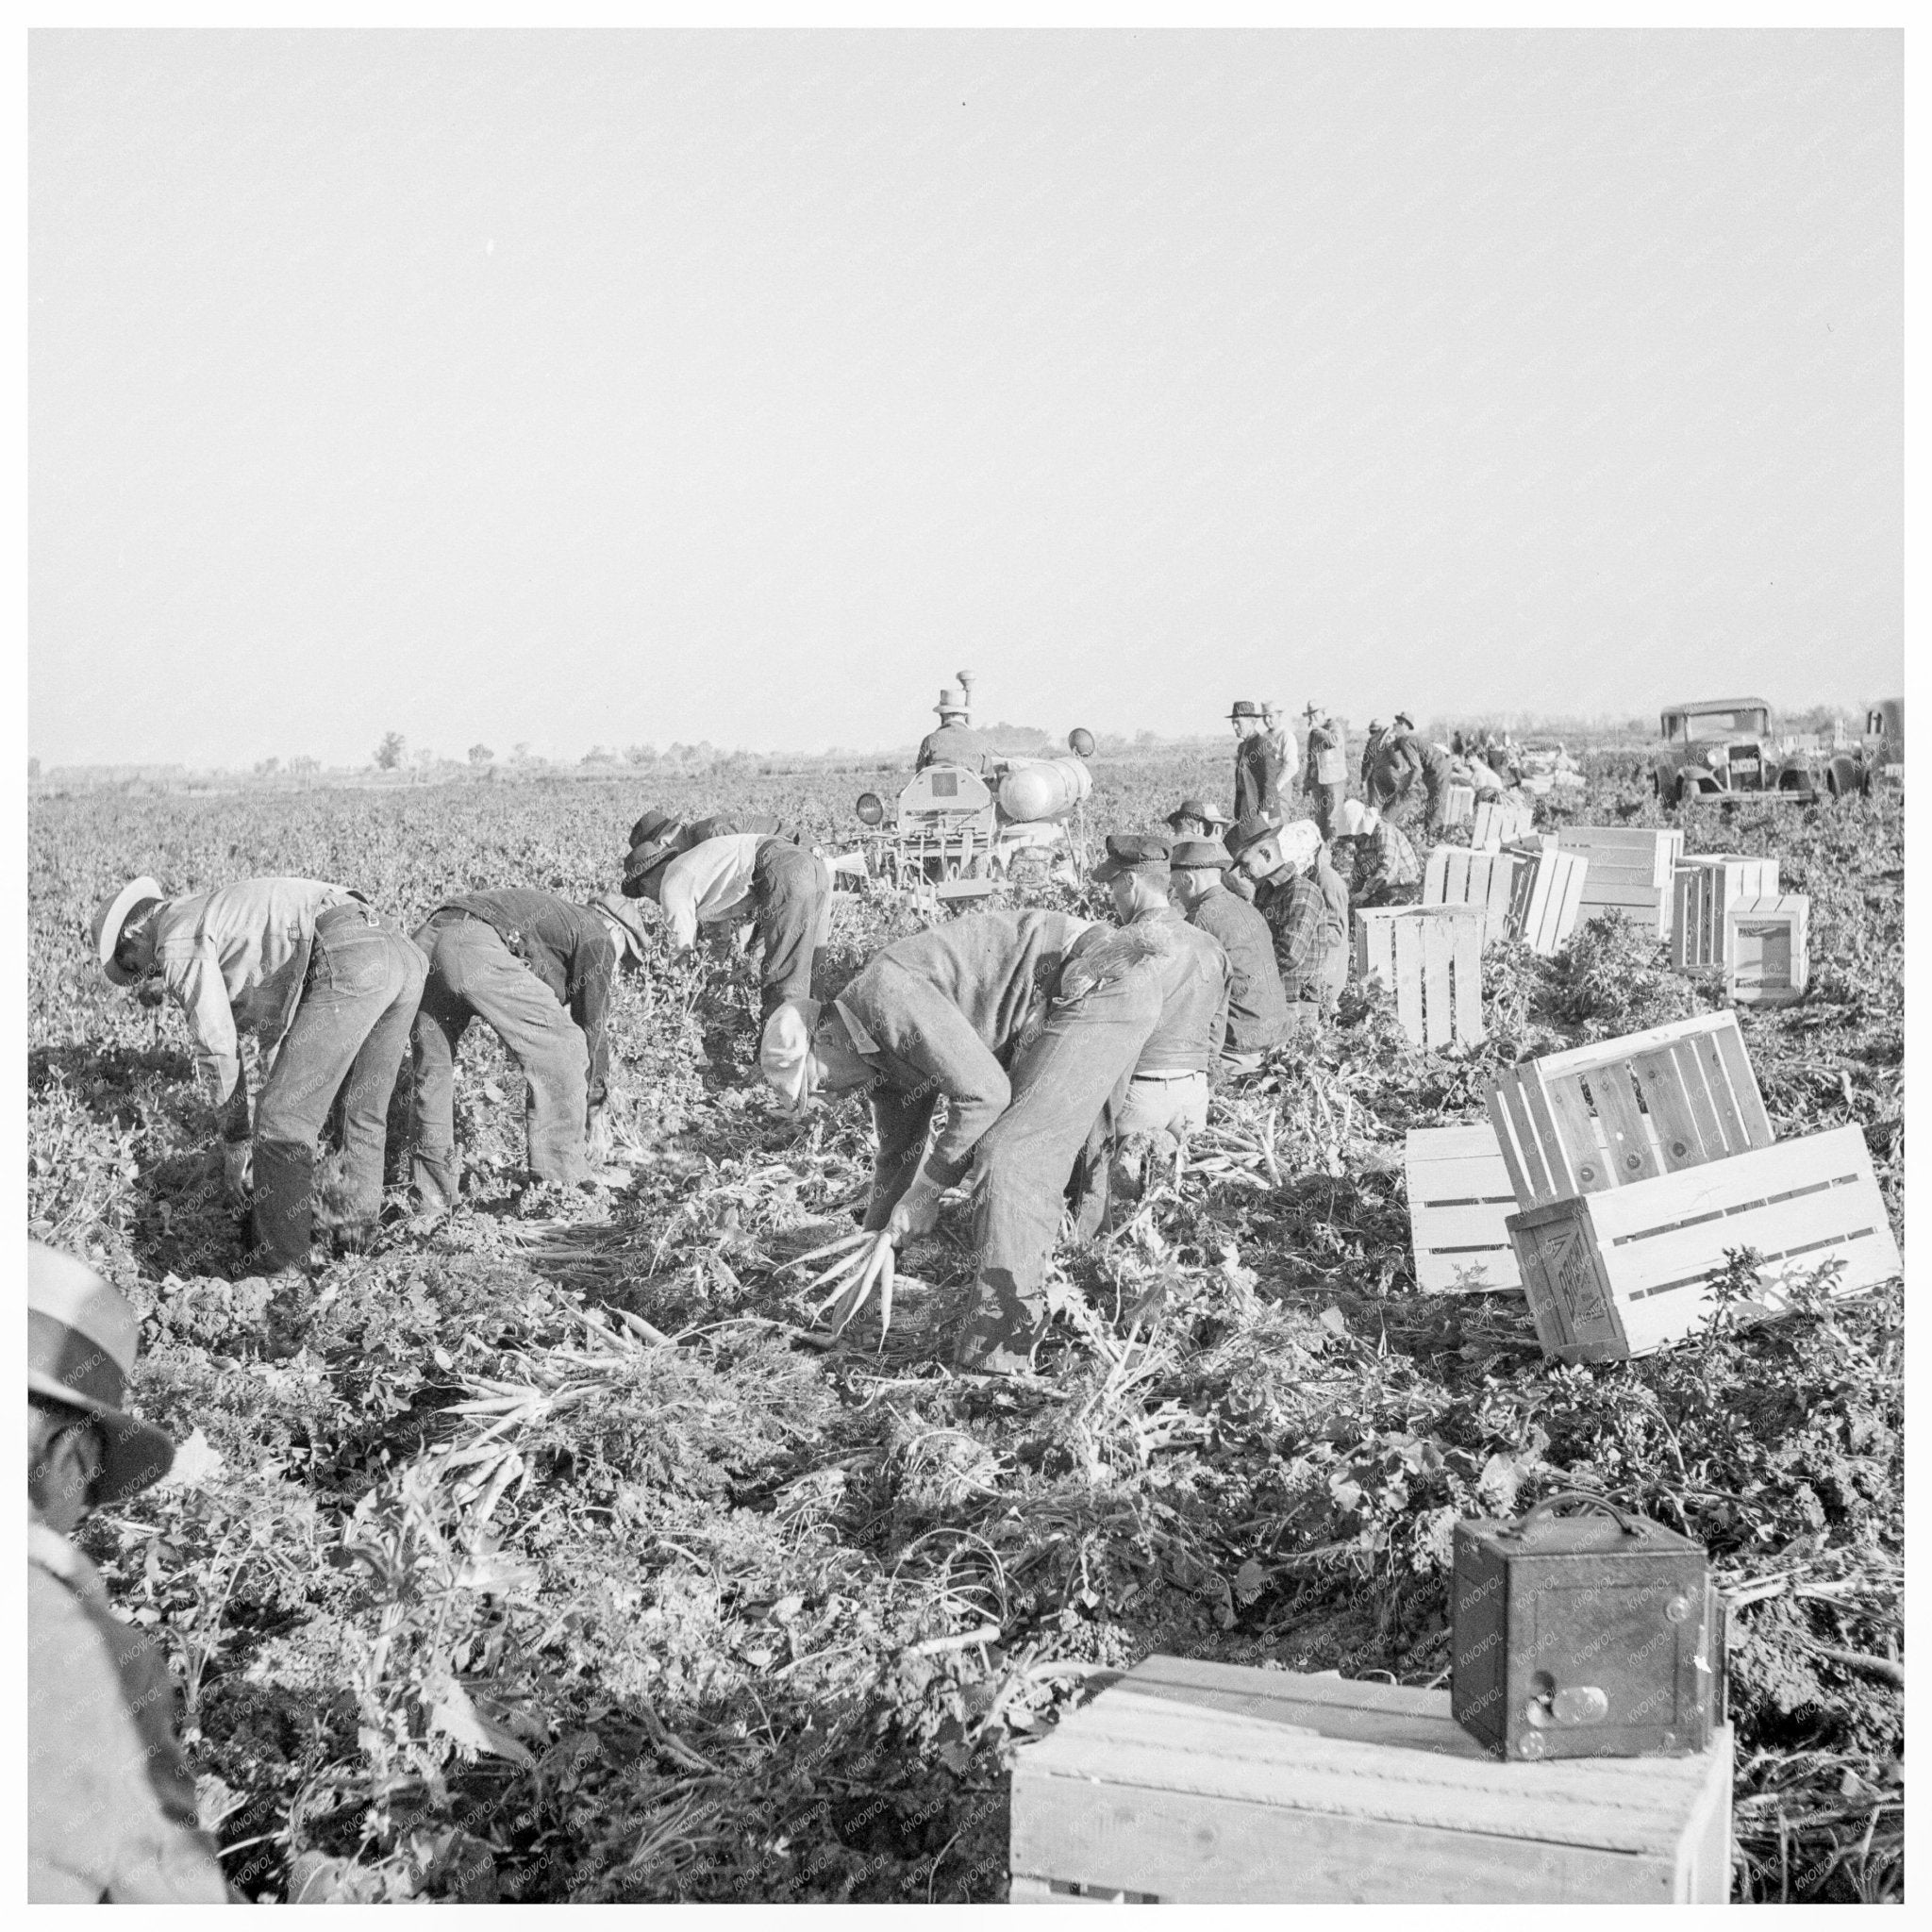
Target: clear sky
597, 388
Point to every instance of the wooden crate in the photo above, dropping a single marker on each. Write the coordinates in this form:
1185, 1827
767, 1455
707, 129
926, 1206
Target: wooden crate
1545, 895
1630, 870
1459, 1201
1704, 886
1502, 822
1627, 1109
1458, 805
1767, 950
1430, 958
1621, 1273
1202, 1783
1459, 876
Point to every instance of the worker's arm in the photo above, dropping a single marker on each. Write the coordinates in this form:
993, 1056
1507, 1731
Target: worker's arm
677, 899
593, 970
901, 1122
929, 1033
192, 973
1300, 935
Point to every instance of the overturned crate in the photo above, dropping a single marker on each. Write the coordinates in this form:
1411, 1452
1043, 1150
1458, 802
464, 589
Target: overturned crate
1459, 876
1459, 1204
1630, 870
1500, 822
1620, 1273
1430, 958
1205, 1783
1546, 892
1628, 1109
1704, 888
1767, 950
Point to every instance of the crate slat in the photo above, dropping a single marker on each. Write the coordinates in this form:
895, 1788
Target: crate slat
1461, 1198
1457, 877
1621, 1111
1705, 887
1546, 892
1194, 1782
1614, 1275
1630, 870
1501, 821
1458, 805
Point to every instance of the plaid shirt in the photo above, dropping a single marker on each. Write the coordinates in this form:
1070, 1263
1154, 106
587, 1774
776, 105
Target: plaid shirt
1383, 858
1292, 905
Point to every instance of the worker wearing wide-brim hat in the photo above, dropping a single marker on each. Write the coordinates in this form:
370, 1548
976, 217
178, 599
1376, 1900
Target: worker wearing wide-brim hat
1257, 763
1427, 774
328, 983
1197, 818
110, 1800
955, 742
538, 969
1256, 1007
1146, 999
1280, 860
1375, 858
1325, 769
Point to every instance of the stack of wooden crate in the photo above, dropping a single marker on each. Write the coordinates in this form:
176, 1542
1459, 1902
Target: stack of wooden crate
1705, 887
1192, 1782
1638, 1163
1502, 822
1630, 872
1430, 959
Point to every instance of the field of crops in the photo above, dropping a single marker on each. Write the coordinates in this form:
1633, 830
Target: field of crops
543, 1559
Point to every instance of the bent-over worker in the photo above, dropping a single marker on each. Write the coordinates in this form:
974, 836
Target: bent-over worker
1426, 762
538, 971
329, 986
1375, 858
1256, 1007
110, 1801
724, 881
1070, 1098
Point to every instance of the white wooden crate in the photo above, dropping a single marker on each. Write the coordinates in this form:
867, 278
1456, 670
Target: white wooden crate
1705, 887
1459, 1204
1630, 870
1767, 950
1546, 894
1501, 821
1430, 959
1457, 875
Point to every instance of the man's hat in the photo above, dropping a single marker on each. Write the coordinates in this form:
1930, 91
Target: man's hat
1200, 853
1250, 830
1376, 724
1142, 852
1197, 808
650, 827
665, 841
80, 1342
1403, 718
950, 700
112, 915
1245, 707
623, 915
785, 1051
1314, 710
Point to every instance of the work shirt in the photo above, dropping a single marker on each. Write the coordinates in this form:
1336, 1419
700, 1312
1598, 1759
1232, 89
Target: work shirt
110, 1800
1194, 993
1431, 760
1292, 905
1257, 1009
710, 885
956, 744
940, 1013
568, 947
234, 960
1384, 859
1326, 763
1257, 775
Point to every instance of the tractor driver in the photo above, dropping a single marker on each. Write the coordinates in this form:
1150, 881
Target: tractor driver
955, 742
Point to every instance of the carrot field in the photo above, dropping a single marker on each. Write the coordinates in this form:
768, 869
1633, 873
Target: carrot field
545, 1557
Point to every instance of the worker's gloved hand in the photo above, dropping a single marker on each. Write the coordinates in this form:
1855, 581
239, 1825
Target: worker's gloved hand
238, 1170
597, 1136
917, 1211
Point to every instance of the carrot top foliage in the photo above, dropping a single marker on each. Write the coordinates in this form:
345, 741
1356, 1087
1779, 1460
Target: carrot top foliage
539, 1558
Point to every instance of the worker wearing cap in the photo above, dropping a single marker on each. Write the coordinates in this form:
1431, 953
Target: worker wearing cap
1375, 858
1281, 861
955, 742
1429, 764
110, 1800
1052, 1148
1256, 1007
328, 985
735, 878
937, 1014
538, 971
1257, 767
1324, 770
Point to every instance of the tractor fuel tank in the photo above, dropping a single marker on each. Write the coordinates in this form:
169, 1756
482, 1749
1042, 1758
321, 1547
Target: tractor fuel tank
1044, 788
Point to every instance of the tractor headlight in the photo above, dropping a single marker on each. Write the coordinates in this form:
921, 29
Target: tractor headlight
871, 808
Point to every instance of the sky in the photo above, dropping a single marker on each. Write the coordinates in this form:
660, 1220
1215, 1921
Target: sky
574, 389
